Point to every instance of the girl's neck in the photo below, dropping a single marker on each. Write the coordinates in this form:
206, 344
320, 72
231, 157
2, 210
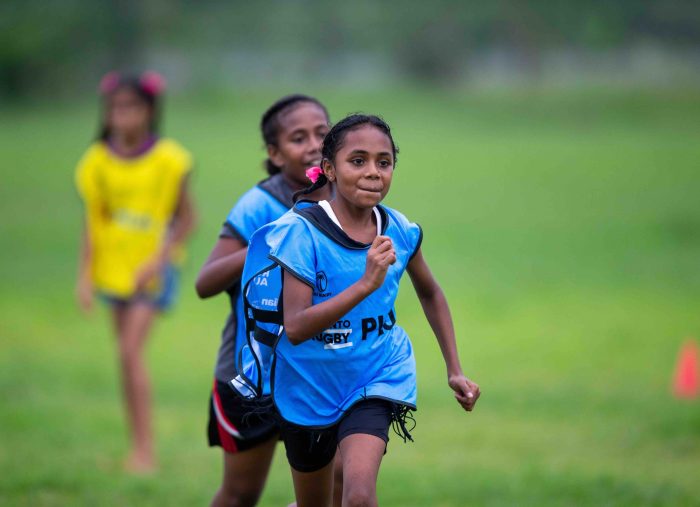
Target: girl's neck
325, 193
131, 144
359, 223
292, 183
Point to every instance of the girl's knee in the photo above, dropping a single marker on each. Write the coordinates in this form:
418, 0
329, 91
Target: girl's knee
359, 494
129, 356
241, 493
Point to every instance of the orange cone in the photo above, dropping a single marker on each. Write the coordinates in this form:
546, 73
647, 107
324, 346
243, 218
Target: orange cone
686, 381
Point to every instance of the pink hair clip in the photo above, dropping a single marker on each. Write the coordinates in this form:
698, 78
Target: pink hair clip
313, 173
152, 82
109, 82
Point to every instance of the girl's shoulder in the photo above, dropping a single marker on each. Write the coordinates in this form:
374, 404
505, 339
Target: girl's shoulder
288, 233
397, 217
86, 172
404, 229
96, 156
289, 242
289, 225
95, 151
254, 209
174, 152
257, 201
291, 219
315, 218
311, 219
277, 187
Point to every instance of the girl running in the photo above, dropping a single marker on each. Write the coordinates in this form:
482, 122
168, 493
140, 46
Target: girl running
343, 369
292, 130
138, 214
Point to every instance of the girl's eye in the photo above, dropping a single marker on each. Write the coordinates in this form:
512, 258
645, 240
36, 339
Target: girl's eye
297, 140
384, 164
357, 161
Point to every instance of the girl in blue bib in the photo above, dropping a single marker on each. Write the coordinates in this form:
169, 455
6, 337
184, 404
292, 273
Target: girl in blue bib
343, 369
293, 129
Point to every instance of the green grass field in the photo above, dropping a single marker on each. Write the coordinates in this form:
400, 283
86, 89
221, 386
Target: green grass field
563, 226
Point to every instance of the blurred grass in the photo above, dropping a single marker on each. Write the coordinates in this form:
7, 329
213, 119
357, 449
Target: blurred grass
563, 226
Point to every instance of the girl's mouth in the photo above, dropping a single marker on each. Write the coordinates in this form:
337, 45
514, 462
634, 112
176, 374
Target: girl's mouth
373, 190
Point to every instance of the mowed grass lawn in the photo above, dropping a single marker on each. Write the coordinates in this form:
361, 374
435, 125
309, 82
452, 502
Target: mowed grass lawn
563, 226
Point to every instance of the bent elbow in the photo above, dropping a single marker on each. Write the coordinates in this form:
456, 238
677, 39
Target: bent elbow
430, 293
293, 334
201, 289
294, 339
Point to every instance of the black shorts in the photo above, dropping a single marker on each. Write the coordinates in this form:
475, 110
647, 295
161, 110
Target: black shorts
309, 450
237, 424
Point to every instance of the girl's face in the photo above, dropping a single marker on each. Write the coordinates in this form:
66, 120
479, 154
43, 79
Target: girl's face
127, 113
301, 133
363, 167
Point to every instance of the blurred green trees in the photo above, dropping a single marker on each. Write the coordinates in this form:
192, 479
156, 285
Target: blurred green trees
43, 43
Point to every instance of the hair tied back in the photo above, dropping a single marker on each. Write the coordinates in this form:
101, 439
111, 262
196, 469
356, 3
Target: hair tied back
313, 173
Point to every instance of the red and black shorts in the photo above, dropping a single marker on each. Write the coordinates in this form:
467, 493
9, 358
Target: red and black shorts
237, 424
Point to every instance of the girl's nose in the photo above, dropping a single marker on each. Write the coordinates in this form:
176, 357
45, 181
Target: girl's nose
314, 146
372, 171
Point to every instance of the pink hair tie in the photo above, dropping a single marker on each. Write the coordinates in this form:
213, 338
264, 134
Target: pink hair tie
109, 82
313, 173
152, 82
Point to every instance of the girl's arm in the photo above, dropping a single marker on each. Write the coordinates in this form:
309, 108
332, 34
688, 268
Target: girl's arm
222, 268
183, 224
184, 220
302, 320
84, 288
434, 304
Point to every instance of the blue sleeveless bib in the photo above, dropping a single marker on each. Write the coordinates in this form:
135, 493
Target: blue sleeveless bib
364, 354
260, 205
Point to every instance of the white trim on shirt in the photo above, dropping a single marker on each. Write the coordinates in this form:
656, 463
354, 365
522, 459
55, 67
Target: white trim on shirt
331, 214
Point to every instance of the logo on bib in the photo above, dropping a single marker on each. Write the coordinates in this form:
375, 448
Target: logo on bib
321, 285
321, 281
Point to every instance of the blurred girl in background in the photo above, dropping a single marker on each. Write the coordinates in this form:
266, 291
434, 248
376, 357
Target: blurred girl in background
138, 215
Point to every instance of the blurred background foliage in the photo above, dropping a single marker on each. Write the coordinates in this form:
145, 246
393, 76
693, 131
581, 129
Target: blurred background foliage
59, 45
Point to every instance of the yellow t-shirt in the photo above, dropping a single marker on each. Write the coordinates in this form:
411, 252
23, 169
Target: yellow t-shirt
129, 204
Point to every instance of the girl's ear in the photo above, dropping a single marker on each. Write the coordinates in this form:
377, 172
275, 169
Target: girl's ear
273, 153
328, 169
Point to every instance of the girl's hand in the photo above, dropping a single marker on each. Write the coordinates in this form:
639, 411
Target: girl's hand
466, 391
146, 273
84, 293
379, 257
